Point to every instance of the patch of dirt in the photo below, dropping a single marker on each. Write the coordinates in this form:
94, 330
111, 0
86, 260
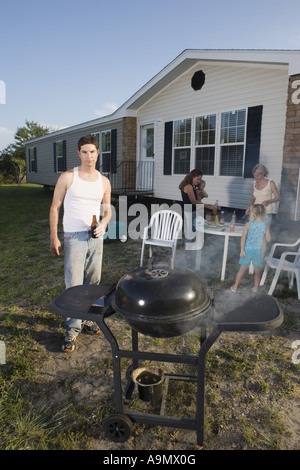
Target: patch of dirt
256, 406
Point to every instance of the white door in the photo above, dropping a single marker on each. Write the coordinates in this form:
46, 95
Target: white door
146, 157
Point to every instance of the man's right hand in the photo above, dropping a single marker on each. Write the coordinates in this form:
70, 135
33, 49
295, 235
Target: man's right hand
55, 246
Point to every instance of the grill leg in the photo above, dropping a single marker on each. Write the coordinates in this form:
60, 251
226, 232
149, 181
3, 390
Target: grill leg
200, 406
116, 364
135, 347
134, 365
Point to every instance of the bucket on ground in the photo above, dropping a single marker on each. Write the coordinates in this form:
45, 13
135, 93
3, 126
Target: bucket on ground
149, 384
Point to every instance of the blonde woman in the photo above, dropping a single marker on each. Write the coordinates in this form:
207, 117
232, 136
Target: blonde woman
264, 191
252, 243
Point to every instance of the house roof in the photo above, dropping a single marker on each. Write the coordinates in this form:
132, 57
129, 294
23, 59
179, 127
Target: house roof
289, 59
189, 57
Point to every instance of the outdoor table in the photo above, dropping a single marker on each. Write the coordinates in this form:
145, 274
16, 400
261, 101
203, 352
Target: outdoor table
224, 231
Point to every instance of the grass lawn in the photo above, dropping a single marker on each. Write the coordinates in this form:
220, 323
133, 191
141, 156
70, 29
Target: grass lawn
250, 382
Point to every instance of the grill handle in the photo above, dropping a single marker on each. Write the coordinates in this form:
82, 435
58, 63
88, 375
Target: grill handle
159, 264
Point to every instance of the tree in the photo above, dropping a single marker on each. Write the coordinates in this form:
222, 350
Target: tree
31, 130
6, 165
13, 157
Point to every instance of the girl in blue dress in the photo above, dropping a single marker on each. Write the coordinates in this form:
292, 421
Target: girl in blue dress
255, 233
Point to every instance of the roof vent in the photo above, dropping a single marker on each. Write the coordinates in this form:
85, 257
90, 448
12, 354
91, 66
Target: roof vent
198, 80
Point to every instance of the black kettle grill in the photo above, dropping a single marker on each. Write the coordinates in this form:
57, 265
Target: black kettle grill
163, 302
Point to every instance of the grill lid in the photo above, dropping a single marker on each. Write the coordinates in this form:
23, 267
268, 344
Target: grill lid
161, 294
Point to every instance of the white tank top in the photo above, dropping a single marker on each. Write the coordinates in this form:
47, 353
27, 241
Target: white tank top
82, 201
263, 195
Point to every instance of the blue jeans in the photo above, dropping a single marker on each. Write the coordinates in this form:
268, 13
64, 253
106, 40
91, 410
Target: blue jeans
190, 230
83, 264
269, 219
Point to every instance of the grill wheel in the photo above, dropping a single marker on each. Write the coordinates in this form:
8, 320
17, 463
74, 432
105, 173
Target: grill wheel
118, 427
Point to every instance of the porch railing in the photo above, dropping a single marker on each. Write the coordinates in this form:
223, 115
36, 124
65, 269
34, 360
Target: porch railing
128, 176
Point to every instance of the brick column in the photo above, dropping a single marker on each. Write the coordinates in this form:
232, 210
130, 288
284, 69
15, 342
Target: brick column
129, 139
291, 152
129, 153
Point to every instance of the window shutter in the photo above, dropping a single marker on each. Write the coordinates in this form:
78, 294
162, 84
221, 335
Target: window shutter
113, 152
35, 159
168, 146
29, 161
54, 156
253, 139
64, 155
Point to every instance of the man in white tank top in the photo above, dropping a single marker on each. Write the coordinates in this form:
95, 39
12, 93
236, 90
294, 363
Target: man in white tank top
84, 192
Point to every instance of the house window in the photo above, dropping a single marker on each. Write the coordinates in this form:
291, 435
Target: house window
97, 137
232, 142
32, 160
225, 143
105, 151
148, 143
59, 156
107, 144
205, 139
104, 145
182, 146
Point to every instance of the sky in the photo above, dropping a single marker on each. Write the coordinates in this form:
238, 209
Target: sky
64, 62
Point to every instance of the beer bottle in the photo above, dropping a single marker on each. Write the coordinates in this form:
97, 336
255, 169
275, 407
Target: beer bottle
94, 225
232, 224
222, 218
215, 209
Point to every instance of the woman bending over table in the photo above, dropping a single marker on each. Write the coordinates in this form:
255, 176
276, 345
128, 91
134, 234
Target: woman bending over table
189, 195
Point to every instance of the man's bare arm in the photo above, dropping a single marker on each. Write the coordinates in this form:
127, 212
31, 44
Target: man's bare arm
60, 190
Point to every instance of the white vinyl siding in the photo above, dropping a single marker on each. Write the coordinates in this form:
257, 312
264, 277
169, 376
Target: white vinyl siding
45, 174
226, 88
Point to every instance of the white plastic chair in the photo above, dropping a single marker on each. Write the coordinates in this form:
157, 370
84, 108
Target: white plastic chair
165, 228
282, 264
